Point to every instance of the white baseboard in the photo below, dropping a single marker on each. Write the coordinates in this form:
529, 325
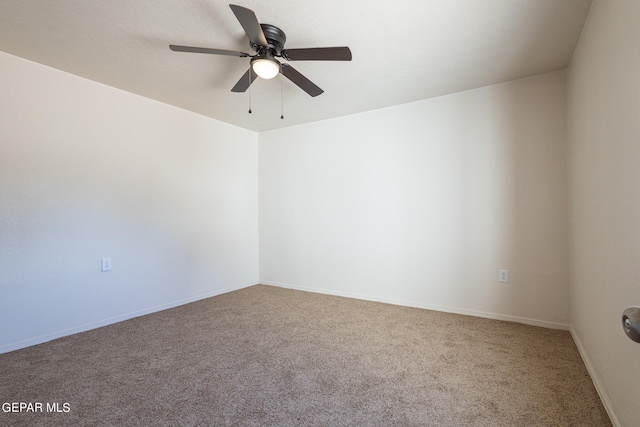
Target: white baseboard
604, 397
94, 325
494, 316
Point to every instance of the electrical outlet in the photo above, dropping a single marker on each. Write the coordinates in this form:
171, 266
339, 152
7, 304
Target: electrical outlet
106, 264
503, 276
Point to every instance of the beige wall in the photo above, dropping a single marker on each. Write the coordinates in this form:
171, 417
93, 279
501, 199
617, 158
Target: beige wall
421, 204
604, 188
88, 171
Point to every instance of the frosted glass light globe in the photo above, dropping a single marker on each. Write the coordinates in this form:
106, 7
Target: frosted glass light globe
265, 68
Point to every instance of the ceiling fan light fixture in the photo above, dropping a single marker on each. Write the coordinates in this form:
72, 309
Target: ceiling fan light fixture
265, 67
267, 41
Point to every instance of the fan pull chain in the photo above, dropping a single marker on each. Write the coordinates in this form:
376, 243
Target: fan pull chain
250, 90
281, 98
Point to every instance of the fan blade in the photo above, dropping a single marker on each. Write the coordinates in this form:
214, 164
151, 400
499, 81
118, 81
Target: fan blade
250, 24
192, 49
245, 81
318, 54
300, 80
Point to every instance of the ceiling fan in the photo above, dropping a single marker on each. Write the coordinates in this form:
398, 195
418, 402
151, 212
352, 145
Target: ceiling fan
268, 42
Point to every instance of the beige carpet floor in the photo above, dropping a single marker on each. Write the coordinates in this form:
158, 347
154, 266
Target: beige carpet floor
266, 356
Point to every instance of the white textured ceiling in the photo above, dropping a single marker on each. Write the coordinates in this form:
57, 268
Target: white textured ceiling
403, 50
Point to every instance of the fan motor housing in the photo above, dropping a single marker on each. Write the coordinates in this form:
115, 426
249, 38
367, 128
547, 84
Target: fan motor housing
275, 37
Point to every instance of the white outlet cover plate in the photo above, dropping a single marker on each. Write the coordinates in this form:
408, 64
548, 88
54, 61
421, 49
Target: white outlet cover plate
503, 276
